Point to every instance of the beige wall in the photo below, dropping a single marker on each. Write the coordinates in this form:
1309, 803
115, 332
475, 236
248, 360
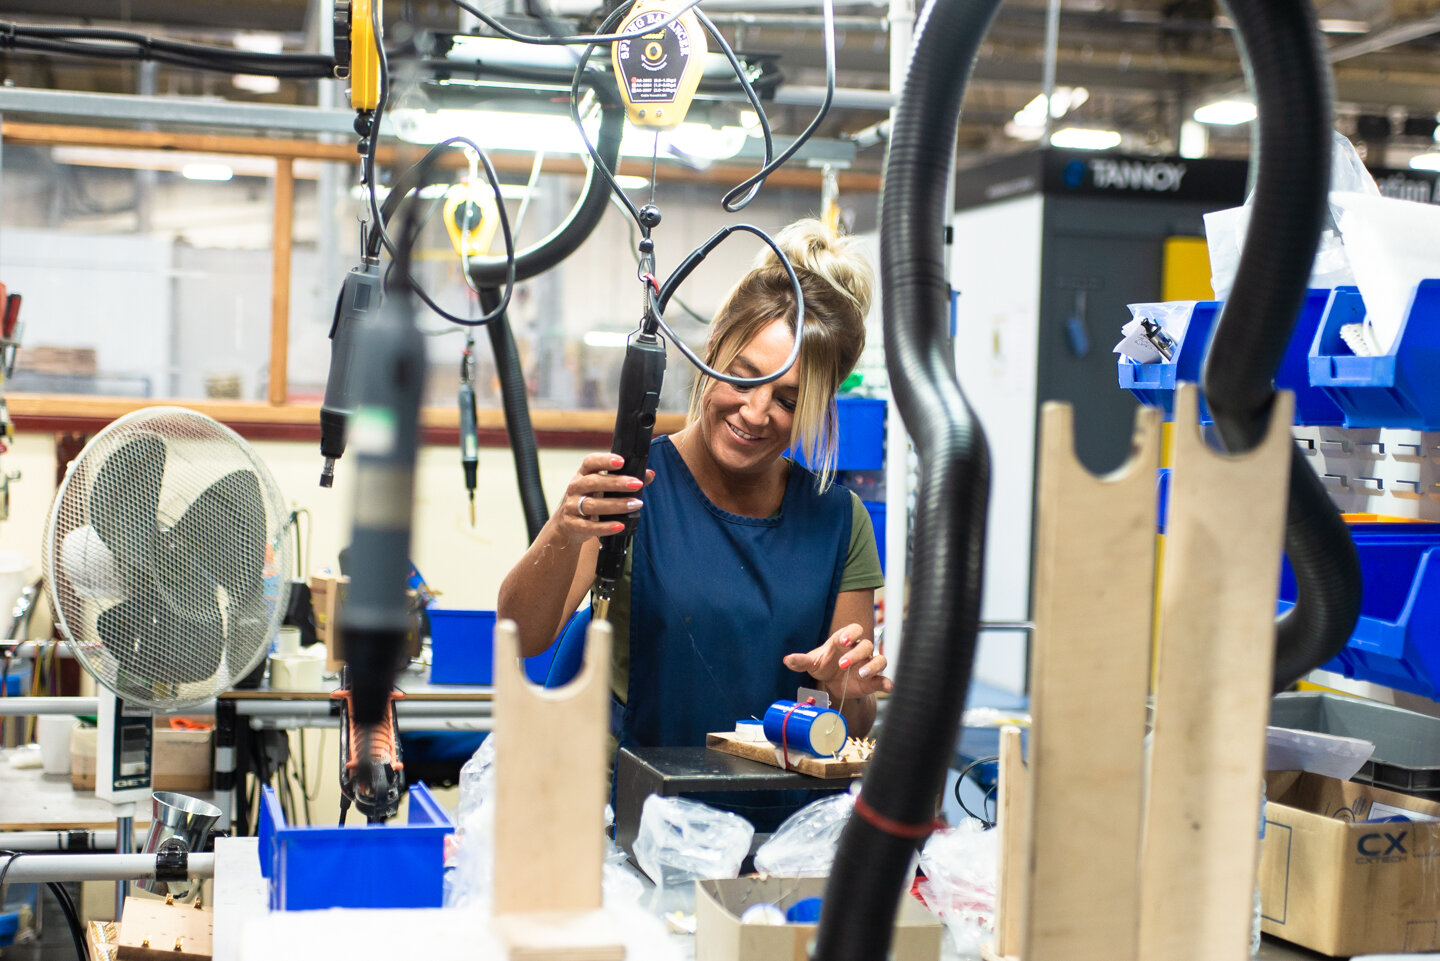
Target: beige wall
466, 564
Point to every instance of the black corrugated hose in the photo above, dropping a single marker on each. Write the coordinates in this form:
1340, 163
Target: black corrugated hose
896, 805
1290, 76
517, 415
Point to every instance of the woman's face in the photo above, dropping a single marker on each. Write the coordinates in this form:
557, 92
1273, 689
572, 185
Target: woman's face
746, 428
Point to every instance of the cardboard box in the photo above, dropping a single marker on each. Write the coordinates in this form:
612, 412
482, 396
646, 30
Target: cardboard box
1336, 879
327, 598
719, 935
183, 761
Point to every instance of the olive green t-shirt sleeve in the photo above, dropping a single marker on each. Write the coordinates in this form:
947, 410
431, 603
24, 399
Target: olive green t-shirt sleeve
862, 561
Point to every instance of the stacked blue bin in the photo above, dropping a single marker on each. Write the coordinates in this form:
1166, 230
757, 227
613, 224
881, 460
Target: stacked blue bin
859, 453
1397, 640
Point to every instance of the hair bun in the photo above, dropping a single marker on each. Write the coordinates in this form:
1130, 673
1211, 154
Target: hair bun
811, 246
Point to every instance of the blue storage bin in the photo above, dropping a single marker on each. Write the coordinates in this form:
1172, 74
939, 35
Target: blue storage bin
462, 646
375, 866
462, 649
1399, 389
17, 680
1154, 384
1397, 640
861, 429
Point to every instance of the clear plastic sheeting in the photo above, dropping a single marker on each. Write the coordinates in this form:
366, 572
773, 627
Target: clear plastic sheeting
471, 855
804, 844
960, 866
1225, 229
681, 841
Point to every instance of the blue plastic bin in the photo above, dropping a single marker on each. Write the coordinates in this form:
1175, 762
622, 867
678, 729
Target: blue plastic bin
1154, 384
17, 680
861, 429
462, 646
375, 866
1400, 389
1397, 640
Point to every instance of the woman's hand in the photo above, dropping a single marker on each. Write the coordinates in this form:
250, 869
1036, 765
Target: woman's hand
585, 512
831, 662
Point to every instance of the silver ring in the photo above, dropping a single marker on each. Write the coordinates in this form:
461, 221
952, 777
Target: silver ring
580, 507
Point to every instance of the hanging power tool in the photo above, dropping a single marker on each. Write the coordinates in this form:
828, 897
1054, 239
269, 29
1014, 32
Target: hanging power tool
641, 377
372, 769
469, 438
658, 73
360, 298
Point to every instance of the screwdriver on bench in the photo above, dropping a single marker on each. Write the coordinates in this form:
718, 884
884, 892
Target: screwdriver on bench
469, 441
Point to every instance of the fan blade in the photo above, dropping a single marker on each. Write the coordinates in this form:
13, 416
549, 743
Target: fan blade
220, 539
125, 501
147, 639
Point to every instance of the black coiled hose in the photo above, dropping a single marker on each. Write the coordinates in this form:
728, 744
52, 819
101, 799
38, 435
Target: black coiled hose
517, 415
896, 805
1290, 75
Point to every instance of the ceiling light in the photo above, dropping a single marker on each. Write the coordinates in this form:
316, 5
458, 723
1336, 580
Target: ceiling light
207, 171
1226, 113
1085, 138
632, 181
606, 338
1425, 161
256, 83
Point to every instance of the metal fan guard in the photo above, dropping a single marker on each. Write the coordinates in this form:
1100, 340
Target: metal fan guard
84, 581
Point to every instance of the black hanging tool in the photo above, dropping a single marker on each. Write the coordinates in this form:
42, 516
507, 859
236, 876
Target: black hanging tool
469, 441
359, 299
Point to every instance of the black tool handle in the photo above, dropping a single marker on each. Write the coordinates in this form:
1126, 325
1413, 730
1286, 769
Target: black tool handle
640, 380
469, 439
360, 299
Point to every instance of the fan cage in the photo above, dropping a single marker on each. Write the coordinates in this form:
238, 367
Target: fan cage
186, 637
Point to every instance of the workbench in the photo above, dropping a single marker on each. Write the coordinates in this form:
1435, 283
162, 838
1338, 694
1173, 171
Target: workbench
31, 800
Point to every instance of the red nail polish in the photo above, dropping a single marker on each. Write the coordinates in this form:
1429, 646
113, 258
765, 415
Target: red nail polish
634, 484
844, 663
617, 527
617, 461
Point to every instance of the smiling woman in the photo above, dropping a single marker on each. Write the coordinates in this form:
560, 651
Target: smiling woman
750, 575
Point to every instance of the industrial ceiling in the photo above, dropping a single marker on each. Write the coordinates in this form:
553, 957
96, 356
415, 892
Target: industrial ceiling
1145, 65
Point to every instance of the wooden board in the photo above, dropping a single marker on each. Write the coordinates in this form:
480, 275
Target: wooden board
1014, 827
151, 929
550, 786
766, 753
1212, 700
1094, 589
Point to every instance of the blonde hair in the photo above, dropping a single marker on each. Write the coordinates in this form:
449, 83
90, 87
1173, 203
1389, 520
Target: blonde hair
836, 282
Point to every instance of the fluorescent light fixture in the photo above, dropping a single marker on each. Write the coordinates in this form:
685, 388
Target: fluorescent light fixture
206, 171
1226, 113
1085, 138
131, 159
1194, 139
1029, 121
555, 133
632, 181
1425, 161
256, 83
606, 338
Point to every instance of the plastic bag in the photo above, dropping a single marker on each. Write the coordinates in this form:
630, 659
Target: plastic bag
1392, 245
682, 840
470, 853
1225, 229
960, 865
804, 844
1155, 331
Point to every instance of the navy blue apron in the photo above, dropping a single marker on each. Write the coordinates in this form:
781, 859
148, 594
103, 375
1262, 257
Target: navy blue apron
716, 601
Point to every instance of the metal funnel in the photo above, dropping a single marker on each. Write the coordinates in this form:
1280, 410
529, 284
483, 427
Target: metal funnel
188, 820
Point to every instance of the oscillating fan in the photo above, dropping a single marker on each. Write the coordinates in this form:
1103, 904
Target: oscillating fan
166, 562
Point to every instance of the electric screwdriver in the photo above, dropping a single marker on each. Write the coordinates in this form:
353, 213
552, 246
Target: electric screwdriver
469, 443
641, 377
359, 298
384, 436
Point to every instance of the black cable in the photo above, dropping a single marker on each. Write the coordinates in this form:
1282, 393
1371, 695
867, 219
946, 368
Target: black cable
67, 906
960, 779
661, 298
896, 805
554, 41
1286, 64
107, 44
72, 918
425, 165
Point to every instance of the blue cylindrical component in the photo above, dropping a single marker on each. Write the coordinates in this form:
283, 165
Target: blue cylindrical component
804, 911
810, 728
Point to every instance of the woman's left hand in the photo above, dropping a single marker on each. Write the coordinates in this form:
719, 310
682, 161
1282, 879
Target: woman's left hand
832, 661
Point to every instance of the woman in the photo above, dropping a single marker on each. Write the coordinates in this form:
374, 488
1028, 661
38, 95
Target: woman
749, 575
